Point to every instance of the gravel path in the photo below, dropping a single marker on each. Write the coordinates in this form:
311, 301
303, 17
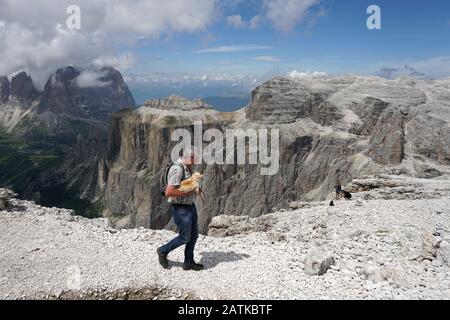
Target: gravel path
377, 246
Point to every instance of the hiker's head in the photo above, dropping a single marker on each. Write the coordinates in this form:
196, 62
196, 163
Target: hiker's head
188, 157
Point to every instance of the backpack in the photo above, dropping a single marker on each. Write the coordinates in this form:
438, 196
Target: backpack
163, 182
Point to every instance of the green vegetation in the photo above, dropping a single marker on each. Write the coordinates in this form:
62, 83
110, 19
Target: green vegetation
23, 163
382, 233
94, 210
59, 196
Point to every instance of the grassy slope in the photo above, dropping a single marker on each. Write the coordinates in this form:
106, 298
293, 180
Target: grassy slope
23, 162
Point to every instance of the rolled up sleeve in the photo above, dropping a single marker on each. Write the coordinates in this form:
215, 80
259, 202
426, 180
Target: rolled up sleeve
174, 176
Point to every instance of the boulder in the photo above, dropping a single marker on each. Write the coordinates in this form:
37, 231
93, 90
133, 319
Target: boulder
444, 251
5, 198
317, 263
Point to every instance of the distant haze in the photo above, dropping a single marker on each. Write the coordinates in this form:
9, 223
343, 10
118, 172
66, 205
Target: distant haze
221, 97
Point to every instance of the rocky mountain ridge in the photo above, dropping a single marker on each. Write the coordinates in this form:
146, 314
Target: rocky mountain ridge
81, 93
331, 128
51, 140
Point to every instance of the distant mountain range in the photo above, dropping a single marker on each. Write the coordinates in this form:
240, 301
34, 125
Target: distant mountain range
331, 129
50, 140
82, 144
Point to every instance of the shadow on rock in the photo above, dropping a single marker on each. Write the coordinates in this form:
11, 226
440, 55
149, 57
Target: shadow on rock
213, 258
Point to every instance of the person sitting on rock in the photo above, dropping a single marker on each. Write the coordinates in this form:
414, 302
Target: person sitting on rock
184, 213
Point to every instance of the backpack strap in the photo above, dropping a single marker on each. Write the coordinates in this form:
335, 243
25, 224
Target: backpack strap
183, 173
164, 180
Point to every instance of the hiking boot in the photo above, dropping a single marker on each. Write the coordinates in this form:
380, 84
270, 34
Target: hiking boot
193, 266
162, 259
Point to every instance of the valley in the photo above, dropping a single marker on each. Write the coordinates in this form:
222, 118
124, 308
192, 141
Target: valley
50, 140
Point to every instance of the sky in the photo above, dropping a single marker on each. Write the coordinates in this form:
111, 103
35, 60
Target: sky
201, 48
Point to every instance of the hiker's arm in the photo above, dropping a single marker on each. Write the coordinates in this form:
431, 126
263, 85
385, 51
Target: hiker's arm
174, 181
172, 191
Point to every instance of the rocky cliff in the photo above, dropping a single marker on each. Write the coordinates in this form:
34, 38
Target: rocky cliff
51, 140
101, 93
331, 128
85, 94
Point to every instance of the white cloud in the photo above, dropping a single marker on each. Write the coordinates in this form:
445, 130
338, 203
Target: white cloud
236, 21
183, 78
34, 37
299, 75
286, 14
256, 22
89, 79
122, 62
192, 85
267, 59
235, 48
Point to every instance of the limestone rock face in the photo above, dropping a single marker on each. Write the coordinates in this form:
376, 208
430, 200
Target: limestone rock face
283, 101
65, 93
387, 141
331, 128
369, 114
4, 89
66, 124
22, 88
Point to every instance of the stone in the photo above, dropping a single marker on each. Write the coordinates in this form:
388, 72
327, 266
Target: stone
5, 198
429, 250
317, 263
58, 293
444, 251
384, 273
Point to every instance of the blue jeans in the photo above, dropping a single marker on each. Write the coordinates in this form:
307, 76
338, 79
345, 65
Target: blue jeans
185, 217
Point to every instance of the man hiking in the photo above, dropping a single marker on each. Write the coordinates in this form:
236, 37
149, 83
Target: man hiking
184, 213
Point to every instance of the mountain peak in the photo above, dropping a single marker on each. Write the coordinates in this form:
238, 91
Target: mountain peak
22, 88
87, 93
